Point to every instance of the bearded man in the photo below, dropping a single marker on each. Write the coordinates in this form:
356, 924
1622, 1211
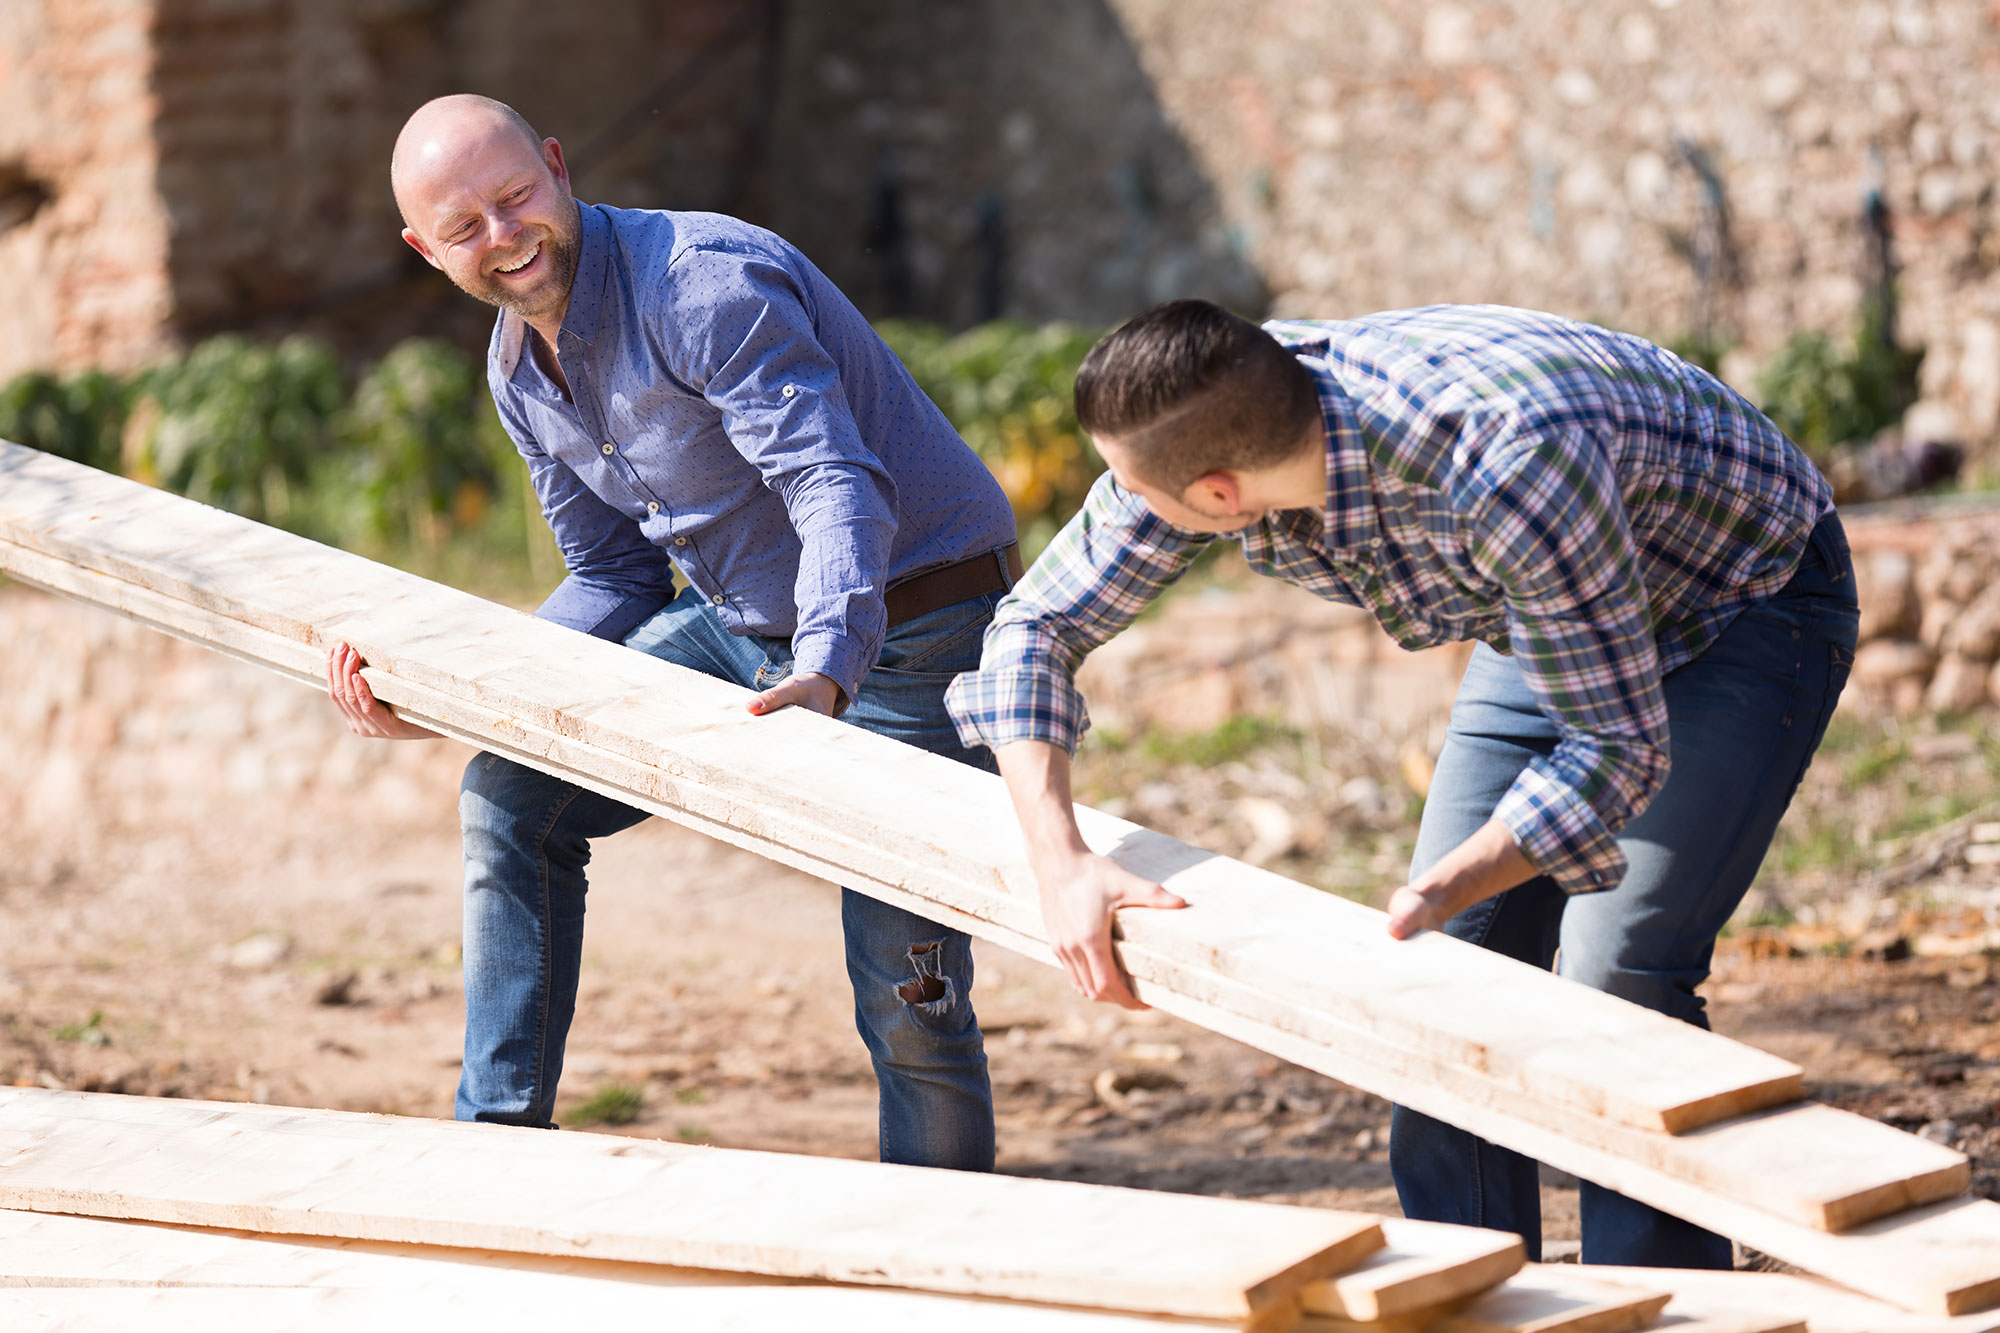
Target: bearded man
691, 396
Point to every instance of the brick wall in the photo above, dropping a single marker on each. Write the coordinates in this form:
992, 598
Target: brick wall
83, 236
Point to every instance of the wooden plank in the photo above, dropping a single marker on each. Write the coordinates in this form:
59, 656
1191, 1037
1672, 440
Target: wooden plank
1810, 1163
1823, 1307
1940, 1259
738, 1308
916, 831
885, 812
1537, 1300
491, 1187
1420, 1266
1367, 1062
44, 1252
1145, 963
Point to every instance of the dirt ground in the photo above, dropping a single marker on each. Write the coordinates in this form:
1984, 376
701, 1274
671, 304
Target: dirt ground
208, 890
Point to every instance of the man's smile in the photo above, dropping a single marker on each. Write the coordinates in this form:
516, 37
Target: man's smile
521, 263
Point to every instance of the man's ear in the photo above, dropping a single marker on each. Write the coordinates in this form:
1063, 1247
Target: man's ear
416, 243
1218, 492
552, 157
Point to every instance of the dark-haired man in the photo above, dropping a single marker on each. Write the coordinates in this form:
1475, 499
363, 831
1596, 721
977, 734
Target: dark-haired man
691, 395
1661, 596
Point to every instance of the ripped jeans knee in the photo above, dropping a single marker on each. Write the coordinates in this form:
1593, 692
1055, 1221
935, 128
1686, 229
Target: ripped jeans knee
928, 991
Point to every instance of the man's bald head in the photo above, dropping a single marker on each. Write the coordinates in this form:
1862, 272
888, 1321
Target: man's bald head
439, 131
488, 202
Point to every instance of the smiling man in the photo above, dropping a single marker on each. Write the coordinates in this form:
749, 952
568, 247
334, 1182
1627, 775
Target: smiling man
693, 398
1659, 590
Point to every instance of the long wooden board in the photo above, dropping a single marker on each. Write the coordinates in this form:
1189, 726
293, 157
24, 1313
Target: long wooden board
1537, 1301
882, 817
1824, 1308
45, 1252
491, 1187
1940, 1259
883, 812
1421, 1265
740, 1308
1809, 1163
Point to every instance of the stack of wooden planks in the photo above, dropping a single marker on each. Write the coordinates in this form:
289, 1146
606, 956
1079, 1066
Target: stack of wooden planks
123, 1212
1701, 1126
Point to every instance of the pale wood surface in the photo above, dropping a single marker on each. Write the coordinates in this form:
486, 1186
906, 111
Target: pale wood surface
1421, 1265
1808, 1163
742, 1307
918, 831
490, 1187
883, 812
44, 1253
1940, 1259
1544, 1300
1824, 1308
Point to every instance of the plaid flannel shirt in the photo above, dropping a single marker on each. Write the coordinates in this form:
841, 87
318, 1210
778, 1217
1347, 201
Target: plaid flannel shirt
1577, 497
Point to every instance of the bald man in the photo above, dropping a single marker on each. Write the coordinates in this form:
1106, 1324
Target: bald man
692, 397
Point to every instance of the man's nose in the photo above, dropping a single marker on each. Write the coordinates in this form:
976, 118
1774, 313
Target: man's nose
501, 230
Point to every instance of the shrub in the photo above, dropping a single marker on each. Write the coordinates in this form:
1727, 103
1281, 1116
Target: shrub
1007, 387
79, 418
1822, 395
240, 425
421, 448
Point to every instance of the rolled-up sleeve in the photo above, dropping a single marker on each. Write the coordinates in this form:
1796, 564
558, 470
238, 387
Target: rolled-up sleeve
1553, 534
737, 328
616, 578
1101, 570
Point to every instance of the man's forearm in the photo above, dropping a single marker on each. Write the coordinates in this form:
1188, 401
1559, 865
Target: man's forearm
1037, 775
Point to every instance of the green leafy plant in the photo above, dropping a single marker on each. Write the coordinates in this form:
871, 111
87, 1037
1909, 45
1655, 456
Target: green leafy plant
1006, 386
1822, 394
240, 425
79, 418
420, 444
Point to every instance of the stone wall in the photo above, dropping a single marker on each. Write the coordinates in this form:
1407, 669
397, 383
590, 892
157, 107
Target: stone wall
1383, 153
219, 163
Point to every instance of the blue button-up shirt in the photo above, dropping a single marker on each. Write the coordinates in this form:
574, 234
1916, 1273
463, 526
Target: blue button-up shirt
731, 415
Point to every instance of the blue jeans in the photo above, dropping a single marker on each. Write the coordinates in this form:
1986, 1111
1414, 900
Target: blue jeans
527, 840
1744, 720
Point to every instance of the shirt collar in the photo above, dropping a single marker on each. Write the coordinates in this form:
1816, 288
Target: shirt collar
586, 293
1350, 498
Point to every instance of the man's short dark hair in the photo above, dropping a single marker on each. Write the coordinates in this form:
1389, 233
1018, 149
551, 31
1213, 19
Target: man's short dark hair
1188, 388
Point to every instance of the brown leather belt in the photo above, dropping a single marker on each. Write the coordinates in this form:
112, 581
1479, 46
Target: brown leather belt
974, 576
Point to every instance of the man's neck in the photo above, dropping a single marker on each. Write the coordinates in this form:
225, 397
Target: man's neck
542, 346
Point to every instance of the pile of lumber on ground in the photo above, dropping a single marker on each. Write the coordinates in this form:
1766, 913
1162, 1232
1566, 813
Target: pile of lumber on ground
1696, 1124
129, 1212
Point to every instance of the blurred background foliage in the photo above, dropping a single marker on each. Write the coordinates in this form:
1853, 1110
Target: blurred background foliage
1823, 393
1007, 388
408, 463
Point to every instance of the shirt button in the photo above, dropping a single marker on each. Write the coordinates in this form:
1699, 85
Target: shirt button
652, 506
680, 541
609, 448
717, 599
791, 390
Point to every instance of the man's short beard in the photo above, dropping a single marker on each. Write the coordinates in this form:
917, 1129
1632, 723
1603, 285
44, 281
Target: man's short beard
561, 252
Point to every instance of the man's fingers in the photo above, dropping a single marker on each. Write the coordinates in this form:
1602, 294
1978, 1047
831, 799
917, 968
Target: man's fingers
1409, 914
1150, 895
